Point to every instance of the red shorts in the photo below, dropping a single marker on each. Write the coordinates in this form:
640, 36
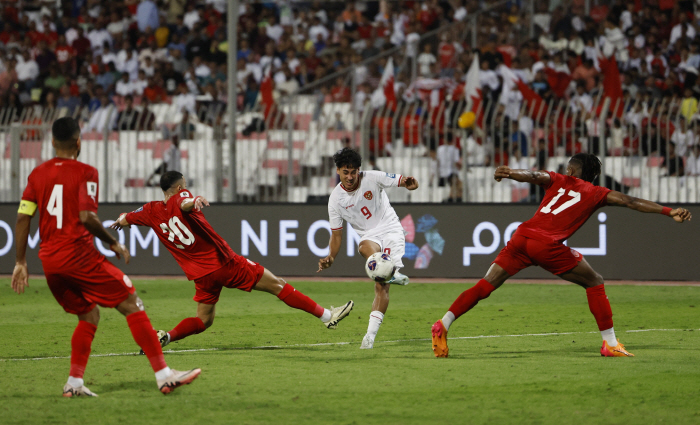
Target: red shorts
79, 290
522, 252
240, 273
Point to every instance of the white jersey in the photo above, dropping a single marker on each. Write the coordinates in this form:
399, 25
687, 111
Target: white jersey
367, 207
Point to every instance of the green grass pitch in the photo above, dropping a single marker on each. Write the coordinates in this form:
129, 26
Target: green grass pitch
527, 379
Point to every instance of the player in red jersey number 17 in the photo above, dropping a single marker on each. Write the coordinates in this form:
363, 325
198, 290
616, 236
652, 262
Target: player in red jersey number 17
206, 258
65, 191
568, 202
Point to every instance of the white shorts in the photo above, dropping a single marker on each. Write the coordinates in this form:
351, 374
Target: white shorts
391, 239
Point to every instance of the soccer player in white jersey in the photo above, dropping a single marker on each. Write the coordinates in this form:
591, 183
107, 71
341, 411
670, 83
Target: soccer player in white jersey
361, 200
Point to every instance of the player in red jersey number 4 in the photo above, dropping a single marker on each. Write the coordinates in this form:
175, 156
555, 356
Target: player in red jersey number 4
64, 192
206, 258
568, 202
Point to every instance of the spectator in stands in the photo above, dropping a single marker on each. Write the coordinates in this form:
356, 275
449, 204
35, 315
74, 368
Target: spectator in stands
682, 137
171, 161
68, 101
27, 70
449, 163
184, 129
124, 86
102, 118
693, 162
155, 92
673, 163
426, 60
8, 78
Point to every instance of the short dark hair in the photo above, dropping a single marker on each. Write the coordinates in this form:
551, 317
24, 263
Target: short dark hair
347, 157
169, 178
589, 163
65, 131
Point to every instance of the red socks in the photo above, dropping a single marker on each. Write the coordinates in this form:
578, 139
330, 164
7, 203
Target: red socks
600, 307
296, 299
145, 337
189, 326
469, 298
80, 347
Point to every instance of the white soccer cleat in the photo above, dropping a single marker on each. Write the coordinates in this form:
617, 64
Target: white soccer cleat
338, 314
367, 343
163, 337
399, 279
177, 379
71, 391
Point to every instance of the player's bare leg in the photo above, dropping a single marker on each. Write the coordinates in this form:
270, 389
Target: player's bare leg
295, 299
144, 335
466, 301
81, 344
584, 275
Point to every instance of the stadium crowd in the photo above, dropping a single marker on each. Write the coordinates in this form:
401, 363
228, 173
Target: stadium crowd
92, 56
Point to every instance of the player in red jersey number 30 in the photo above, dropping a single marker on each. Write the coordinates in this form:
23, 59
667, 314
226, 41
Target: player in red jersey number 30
206, 258
568, 202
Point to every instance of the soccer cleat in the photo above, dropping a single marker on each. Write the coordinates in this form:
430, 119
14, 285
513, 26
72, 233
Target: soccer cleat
338, 314
176, 379
399, 279
440, 339
616, 351
367, 343
164, 339
71, 391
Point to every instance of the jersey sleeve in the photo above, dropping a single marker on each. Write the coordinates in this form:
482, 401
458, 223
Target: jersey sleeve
334, 218
553, 178
181, 197
601, 196
384, 180
88, 191
28, 203
140, 217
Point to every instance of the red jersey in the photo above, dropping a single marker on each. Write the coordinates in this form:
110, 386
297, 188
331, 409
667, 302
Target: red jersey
197, 248
60, 188
567, 204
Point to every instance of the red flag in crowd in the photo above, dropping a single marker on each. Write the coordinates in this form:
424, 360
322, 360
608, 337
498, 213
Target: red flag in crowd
612, 87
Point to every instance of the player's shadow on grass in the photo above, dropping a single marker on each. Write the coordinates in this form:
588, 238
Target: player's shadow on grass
145, 385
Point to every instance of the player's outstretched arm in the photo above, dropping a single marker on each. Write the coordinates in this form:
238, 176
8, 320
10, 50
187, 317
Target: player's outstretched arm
334, 245
618, 199
410, 183
93, 224
20, 273
541, 178
195, 203
120, 222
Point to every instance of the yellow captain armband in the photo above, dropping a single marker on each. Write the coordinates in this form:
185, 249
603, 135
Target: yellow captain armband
27, 207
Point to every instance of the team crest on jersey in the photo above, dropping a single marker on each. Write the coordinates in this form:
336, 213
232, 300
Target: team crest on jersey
368, 195
185, 194
393, 176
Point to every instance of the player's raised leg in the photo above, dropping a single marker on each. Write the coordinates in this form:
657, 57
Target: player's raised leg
466, 301
144, 335
295, 299
584, 275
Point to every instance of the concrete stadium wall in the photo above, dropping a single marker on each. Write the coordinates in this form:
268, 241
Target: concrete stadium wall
444, 241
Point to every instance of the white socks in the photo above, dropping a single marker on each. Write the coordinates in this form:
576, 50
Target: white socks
375, 321
447, 320
609, 337
75, 382
326, 316
163, 373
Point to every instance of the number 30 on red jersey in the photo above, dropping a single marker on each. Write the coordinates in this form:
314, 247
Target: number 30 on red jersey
175, 227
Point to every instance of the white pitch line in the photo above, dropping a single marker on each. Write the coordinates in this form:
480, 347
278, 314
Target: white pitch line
320, 344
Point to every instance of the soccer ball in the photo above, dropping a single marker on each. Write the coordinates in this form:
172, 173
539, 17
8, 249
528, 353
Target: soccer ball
379, 267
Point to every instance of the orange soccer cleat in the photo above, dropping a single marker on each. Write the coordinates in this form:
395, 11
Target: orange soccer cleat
177, 379
616, 351
439, 339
